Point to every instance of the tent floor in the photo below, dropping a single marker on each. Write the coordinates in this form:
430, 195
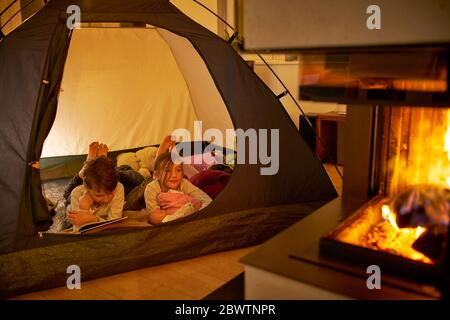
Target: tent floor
54, 189
204, 277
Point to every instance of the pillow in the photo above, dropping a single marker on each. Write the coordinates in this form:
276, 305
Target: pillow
128, 159
189, 171
146, 157
201, 162
145, 173
212, 182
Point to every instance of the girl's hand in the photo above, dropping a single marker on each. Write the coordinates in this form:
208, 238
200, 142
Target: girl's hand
166, 145
156, 216
79, 218
86, 201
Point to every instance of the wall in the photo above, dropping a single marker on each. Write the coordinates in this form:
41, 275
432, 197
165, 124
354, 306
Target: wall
286, 24
287, 71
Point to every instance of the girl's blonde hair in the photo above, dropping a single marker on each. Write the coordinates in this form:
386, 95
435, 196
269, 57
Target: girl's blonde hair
163, 164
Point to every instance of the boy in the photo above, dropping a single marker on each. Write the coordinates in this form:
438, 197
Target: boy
100, 197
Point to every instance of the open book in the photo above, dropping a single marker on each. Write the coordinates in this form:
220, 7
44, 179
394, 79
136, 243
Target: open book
94, 227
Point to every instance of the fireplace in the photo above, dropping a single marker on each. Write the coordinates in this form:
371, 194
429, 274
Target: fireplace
396, 161
403, 166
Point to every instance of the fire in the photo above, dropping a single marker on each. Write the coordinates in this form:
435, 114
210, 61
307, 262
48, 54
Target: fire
436, 160
381, 232
387, 236
388, 215
447, 146
419, 231
418, 153
419, 148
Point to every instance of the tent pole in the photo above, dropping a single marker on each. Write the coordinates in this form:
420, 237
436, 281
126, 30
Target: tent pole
304, 115
15, 14
7, 7
286, 92
201, 4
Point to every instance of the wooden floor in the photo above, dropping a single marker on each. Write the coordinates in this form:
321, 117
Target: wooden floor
184, 280
188, 279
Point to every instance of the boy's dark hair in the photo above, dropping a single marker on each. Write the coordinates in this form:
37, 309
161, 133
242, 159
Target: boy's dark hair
101, 175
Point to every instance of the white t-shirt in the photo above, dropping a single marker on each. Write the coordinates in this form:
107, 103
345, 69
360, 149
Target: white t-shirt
108, 211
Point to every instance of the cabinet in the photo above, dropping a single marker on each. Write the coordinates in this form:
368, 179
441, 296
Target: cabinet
329, 140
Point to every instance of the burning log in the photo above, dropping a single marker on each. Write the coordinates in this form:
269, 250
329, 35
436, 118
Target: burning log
427, 207
431, 244
424, 206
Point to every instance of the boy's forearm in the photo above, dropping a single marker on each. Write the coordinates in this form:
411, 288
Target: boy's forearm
83, 206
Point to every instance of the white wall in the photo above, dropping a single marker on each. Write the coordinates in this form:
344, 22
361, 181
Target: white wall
288, 72
286, 24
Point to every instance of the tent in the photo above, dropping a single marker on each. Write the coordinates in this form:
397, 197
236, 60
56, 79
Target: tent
213, 84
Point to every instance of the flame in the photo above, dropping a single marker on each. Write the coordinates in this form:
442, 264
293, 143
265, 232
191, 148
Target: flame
370, 230
419, 231
384, 234
447, 147
419, 148
389, 216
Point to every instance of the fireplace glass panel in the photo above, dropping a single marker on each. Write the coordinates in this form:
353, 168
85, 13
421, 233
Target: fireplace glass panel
410, 217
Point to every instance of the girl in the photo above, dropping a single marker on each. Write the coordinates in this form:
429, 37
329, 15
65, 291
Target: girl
169, 195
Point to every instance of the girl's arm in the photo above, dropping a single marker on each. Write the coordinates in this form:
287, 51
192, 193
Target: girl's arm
189, 189
166, 145
155, 214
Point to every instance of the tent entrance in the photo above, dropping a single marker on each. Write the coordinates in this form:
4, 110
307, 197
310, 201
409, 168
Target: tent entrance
130, 87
